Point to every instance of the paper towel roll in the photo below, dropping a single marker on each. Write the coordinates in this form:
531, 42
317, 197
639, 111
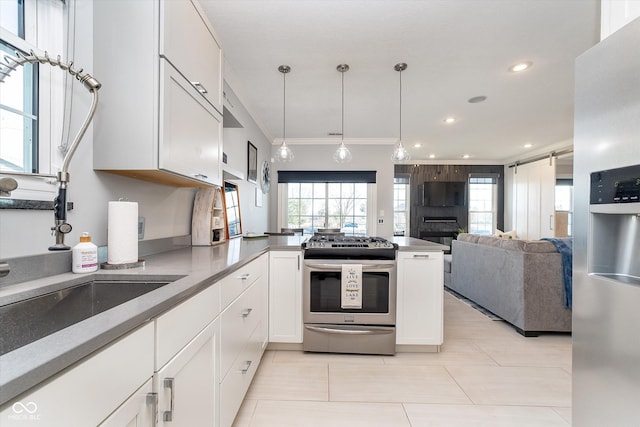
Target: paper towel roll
122, 233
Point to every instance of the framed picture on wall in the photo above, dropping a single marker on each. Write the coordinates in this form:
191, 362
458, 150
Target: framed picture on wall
252, 163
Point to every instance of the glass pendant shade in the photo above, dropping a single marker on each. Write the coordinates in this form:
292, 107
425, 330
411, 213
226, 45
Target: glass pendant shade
400, 154
342, 154
284, 153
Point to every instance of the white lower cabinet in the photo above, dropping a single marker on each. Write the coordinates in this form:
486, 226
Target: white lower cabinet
285, 296
188, 385
89, 392
188, 361
419, 318
243, 330
168, 371
138, 411
237, 381
178, 326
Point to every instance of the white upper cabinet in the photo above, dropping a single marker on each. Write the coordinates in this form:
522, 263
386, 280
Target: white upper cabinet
196, 53
158, 117
190, 131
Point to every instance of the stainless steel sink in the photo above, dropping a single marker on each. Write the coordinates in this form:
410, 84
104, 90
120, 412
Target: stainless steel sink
26, 321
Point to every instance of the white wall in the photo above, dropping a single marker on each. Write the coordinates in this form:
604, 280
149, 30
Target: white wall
365, 157
254, 218
167, 210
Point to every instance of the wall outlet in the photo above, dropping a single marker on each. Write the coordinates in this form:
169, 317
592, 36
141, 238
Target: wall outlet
380, 220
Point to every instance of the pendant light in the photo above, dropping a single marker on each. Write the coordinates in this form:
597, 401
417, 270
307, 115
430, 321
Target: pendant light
342, 154
400, 154
284, 153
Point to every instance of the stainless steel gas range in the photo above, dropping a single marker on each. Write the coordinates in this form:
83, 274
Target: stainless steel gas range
349, 295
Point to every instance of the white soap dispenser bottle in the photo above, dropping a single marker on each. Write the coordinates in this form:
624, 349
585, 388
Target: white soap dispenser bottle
84, 255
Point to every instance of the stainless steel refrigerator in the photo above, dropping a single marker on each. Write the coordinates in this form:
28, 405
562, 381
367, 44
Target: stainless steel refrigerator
606, 264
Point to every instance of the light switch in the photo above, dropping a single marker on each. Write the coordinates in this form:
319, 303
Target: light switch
381, 213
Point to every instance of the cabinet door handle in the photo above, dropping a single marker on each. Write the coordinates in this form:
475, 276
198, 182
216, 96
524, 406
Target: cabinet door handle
246, 368
201, 176
247, 312
336, 267
244, 276
421, 256
168, 415
298, 262
199, 87
152, 400
550, 222
371, 330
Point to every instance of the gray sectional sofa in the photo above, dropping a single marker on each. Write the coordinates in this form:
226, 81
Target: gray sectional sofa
519, 280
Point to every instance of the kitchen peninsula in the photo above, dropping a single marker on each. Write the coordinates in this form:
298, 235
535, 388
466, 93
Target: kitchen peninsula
208, 285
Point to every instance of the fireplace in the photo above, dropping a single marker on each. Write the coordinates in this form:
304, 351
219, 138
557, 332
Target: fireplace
439, 229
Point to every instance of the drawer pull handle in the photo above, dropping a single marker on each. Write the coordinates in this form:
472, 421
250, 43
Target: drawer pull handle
152, 400
421, 256
244, 276
201, 176
246, 368
168, 415
199, 87
247, 312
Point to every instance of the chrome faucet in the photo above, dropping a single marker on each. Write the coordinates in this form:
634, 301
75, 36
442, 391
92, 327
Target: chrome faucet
61, 226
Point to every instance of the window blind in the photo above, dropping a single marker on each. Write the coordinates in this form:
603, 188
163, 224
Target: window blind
368, 177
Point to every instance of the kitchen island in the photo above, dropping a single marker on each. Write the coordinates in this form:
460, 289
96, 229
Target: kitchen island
190, 271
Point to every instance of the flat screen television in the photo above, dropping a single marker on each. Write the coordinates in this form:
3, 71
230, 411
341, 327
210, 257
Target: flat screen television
444, 193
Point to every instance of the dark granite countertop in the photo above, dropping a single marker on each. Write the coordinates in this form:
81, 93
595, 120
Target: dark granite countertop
195, 267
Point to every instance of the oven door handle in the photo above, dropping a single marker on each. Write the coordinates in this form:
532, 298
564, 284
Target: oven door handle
338, 330
335, 267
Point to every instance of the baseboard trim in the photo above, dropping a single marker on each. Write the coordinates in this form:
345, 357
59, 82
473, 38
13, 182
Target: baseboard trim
410, 348
400, 348
284, 346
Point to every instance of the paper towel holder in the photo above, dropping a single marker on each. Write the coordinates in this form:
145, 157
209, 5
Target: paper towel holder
107, 266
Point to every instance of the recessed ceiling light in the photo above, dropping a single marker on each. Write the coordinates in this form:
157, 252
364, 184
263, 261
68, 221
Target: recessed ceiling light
450, 120
432, 156
466, 156
477, 99
520, 67
417, 145
528, 145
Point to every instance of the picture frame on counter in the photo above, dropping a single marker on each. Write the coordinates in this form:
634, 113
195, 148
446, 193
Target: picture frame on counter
232, 210
252, 163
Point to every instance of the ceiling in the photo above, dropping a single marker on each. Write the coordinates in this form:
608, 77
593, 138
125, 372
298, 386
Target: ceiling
455, 50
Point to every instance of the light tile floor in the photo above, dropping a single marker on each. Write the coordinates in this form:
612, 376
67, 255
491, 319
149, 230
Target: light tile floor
485, 375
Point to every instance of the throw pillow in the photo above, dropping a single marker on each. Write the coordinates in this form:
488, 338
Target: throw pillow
506, 234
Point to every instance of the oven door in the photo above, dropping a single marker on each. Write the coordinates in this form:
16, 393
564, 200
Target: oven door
322, 293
